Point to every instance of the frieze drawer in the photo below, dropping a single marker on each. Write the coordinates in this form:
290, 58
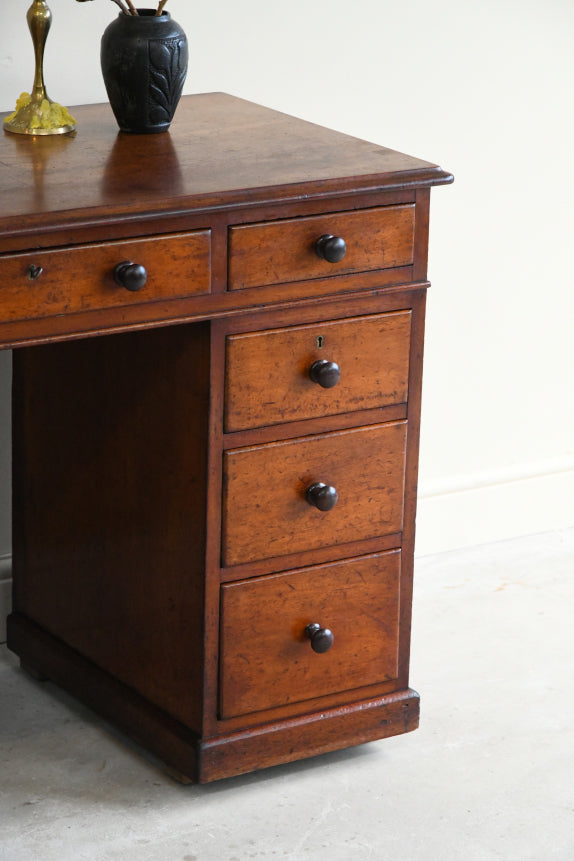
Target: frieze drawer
104, 275
297, 249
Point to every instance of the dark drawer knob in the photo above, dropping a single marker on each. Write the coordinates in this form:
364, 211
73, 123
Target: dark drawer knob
322, 496
130, 275
321, 638
327, 374
330, 248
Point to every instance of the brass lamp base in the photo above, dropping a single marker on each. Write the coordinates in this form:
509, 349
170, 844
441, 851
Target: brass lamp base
36, 114
39, 116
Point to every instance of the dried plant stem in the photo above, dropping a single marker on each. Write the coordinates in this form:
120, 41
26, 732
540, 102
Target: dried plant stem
128, 7
124, 9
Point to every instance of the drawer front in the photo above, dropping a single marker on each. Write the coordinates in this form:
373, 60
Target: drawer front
267, 373
81, 278
282, 251
265, 509
266, 656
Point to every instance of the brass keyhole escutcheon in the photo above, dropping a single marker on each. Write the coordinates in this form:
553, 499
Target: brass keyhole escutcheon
320, 341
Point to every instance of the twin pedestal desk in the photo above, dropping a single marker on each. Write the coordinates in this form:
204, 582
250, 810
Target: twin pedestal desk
218, 340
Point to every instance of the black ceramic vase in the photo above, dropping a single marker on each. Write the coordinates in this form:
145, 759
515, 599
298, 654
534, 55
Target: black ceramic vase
144, 64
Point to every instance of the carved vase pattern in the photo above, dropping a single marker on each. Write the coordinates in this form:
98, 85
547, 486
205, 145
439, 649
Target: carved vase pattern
144, 63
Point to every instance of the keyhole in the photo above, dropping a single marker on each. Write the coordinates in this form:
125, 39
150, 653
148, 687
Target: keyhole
320, 340
34, 272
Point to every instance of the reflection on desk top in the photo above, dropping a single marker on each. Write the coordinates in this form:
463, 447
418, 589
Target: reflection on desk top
221, 151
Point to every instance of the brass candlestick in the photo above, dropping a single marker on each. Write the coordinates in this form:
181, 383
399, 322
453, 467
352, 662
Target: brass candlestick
35, 113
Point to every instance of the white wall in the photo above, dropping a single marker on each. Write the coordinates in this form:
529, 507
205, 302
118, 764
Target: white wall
485, 89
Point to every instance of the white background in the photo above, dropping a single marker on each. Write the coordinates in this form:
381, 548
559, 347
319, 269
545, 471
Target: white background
482, 88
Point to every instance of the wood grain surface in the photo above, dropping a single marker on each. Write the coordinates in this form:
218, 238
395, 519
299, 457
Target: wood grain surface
109, 463
282, 251
82, 279
265, 513
267, 373
220, 150
266, 658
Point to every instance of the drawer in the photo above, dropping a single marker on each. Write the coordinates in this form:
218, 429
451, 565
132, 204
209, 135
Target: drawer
265, 507
268, 373
267, 659
281, 251
81, 278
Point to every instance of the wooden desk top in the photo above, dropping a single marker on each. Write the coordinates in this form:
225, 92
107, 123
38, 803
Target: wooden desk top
221, 151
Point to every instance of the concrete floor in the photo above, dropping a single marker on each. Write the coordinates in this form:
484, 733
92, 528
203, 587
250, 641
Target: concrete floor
489, 775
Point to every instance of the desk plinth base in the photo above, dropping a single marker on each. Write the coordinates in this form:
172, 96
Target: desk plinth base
189, 757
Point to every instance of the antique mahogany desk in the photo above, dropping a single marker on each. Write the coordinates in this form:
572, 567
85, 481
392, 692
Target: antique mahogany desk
216, 395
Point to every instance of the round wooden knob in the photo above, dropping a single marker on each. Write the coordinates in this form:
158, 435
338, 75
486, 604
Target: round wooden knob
330, 248
326, 374
321, 638
322, 496
130, 275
